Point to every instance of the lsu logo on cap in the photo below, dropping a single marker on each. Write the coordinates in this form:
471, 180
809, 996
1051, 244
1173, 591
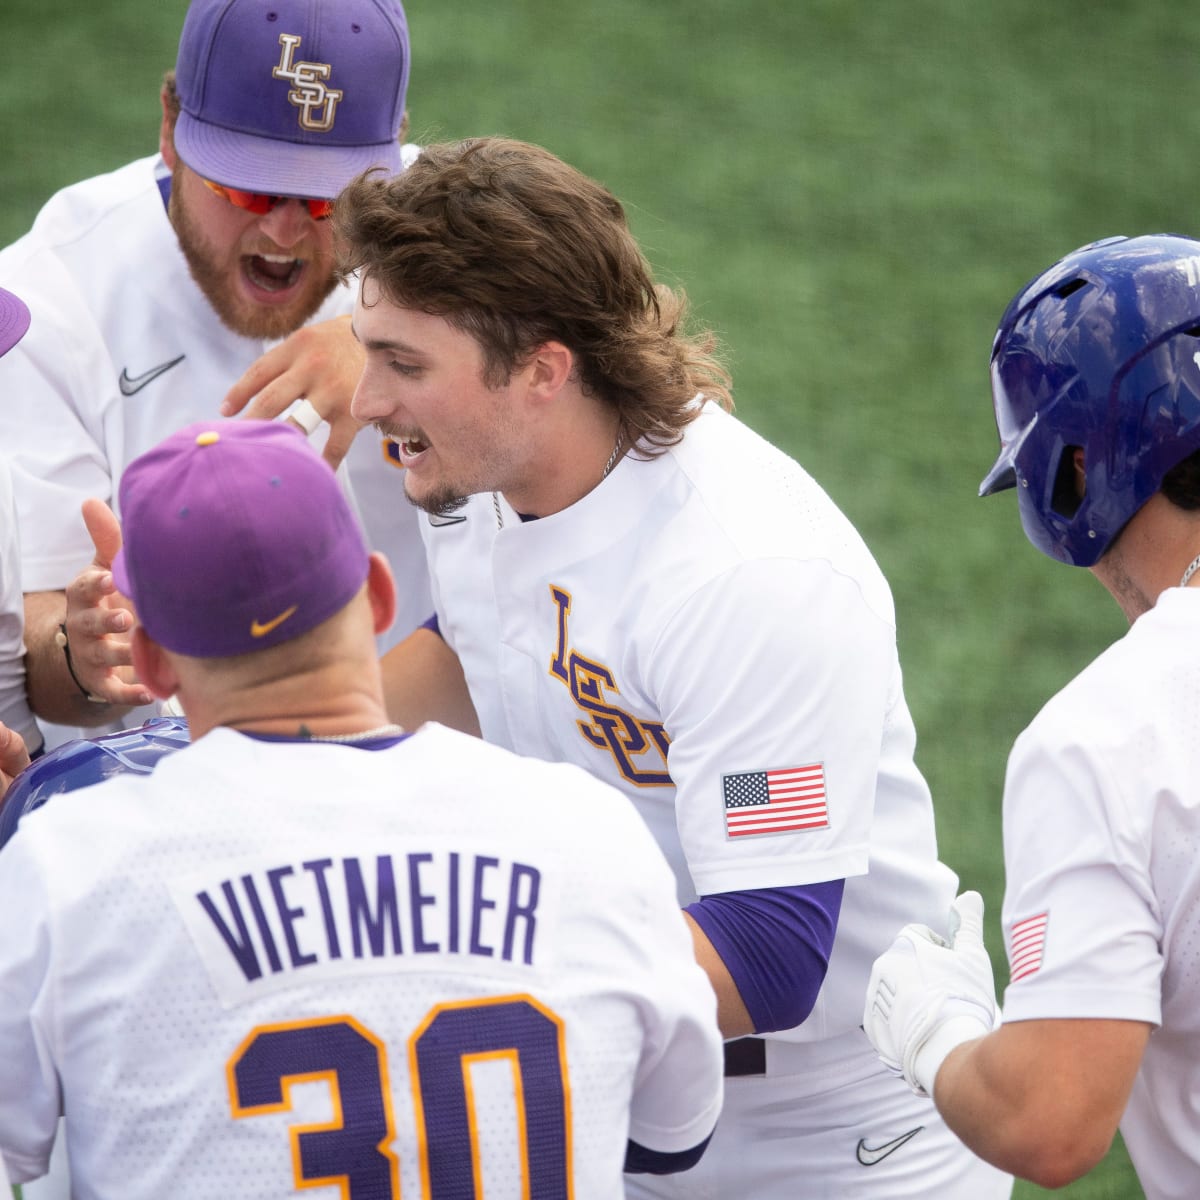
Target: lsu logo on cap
316, 102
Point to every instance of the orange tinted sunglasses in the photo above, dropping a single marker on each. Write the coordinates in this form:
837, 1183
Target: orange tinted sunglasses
260, 202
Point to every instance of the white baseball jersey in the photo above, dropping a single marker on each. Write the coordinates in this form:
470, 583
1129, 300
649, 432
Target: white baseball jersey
422, 970
1102, 856
14, 705
694, 630
706, 631
123, 349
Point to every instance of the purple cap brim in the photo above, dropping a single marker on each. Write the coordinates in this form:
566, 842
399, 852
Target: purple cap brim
14, 320
261, 164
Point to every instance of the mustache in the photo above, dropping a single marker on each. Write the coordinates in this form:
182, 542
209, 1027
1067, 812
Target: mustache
395, 432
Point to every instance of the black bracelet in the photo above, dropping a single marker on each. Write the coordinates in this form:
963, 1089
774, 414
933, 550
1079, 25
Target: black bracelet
61, 639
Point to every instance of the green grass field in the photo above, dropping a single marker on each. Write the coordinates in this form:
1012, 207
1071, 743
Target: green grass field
850, 192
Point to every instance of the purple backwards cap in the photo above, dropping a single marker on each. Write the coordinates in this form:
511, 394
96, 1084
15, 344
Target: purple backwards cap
291, 97
14, 320
237, 536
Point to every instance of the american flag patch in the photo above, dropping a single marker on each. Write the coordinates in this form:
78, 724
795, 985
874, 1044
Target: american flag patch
1025, 948
775, 801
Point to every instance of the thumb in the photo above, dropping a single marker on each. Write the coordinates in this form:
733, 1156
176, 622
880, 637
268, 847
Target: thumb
14, 757
966, 918
104, 530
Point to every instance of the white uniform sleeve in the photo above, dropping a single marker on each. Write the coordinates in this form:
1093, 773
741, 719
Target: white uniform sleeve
778, 664
14, 704
51, 425
30, 1099
679, 1083
1078, 891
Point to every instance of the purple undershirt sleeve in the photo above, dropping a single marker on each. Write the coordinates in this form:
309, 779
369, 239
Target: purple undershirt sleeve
775, 944
432, 625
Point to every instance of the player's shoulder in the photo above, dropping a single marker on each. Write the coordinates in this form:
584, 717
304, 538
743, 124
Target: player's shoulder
1128, 673
762, 498
715, 431
75, 211
92, 239
458, 752
1111, 712
553, 797
752, 505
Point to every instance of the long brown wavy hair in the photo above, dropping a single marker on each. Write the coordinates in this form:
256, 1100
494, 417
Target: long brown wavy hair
516, 248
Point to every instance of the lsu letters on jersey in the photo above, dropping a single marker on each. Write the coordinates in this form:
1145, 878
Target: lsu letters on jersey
707, 632
428, 969
694, 619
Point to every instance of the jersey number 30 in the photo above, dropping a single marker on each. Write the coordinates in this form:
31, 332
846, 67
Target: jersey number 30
354, 1149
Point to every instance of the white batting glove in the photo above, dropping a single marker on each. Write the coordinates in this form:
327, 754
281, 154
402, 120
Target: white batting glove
928, 995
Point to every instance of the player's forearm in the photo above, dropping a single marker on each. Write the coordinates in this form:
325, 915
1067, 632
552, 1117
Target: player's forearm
1028, 1114
733, 1018
982, 1105
53, 694
423, 681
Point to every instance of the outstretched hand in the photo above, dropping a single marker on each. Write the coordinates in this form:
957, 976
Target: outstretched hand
320, 363
100, 620
928, 994
14, 756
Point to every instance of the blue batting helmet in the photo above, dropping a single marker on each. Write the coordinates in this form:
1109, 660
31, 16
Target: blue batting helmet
1100, 352
79, 764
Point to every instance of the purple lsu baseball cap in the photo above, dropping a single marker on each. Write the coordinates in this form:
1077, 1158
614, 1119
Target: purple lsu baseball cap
291, 97
237, 536
14, 320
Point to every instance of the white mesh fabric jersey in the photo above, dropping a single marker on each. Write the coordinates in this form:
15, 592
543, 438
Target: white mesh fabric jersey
14, 704
1102, 862
278, 965
698, 618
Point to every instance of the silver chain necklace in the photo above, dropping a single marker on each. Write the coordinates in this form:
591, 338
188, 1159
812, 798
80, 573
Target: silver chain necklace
608, 466
1193, 567
381, 731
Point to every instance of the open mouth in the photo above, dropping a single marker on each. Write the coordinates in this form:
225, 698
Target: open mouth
273, 272
409, 447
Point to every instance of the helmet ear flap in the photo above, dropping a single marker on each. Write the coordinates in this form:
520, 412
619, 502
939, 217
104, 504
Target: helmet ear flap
1067, 493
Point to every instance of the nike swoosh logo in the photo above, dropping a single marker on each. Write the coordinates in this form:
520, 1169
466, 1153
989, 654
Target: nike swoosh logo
262, 628
129, 384
870, 1155
439, 519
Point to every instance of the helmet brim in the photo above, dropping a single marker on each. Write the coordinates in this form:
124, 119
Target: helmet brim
1000, 478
